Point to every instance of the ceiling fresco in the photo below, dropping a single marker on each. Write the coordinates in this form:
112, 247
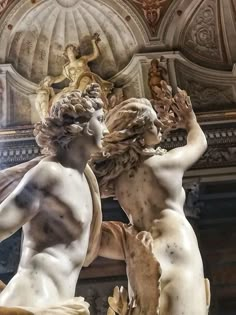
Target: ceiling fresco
34, 33
197, 35
40, 32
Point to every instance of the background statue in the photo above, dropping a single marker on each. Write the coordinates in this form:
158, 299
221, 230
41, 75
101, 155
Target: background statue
147, 181
77, 71
157, 73
44, 94
161, 91
58, 205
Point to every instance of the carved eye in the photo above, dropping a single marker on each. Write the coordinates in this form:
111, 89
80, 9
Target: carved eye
101, 119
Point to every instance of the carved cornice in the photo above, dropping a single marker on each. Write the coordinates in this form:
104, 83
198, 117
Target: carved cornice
221, 150
17, 146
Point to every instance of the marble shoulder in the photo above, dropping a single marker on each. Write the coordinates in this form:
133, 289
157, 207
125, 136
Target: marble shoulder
44, 174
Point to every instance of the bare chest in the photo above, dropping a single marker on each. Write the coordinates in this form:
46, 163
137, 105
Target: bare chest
65, 213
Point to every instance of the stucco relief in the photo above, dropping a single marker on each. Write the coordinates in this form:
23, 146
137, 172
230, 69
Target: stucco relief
218, 156
3, 5
202, 35
206, 97
152, 11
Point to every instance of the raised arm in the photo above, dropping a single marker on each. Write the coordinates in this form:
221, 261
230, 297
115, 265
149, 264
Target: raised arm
95, 52
184, 157
22, 204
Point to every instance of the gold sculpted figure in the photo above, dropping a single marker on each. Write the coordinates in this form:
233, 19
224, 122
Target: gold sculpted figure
157, 73
77, 71
44, 94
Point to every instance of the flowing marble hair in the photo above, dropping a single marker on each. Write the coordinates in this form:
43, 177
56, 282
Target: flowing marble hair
69, 116
124, 147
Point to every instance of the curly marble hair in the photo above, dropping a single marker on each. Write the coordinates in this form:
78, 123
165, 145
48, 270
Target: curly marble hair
124, 147
69, 116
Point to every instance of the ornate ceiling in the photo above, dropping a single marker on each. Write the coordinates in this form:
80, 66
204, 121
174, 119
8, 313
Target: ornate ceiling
34, 33
37, 34
197, 37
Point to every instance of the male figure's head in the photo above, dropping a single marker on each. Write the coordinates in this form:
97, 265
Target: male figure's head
75, 118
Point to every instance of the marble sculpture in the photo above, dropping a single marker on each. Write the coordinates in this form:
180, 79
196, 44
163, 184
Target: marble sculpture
57, 202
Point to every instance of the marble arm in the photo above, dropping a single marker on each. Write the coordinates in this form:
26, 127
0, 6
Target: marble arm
112, 242
21, 205
184, 157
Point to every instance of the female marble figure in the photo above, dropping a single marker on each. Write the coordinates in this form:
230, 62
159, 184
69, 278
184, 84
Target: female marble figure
148, 185
57, 205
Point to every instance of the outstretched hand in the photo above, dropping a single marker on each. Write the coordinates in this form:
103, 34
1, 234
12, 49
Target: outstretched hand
96, 37
182, 107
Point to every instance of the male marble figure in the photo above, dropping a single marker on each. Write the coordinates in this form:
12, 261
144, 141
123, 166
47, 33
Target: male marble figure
54, 203
147, 181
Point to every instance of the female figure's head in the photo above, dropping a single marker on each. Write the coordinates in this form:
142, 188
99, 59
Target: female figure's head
73, 115
71, 52
134, 133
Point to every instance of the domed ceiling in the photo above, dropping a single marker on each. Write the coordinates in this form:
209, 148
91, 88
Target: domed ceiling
37, 33
34, 33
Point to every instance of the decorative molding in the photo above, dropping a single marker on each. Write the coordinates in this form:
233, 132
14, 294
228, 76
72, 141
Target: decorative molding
17, 146
218, 156
131, 78
201, 35
216, 136
151, 10
210, 90
3, 5
16, 98
208, 97
16, 152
